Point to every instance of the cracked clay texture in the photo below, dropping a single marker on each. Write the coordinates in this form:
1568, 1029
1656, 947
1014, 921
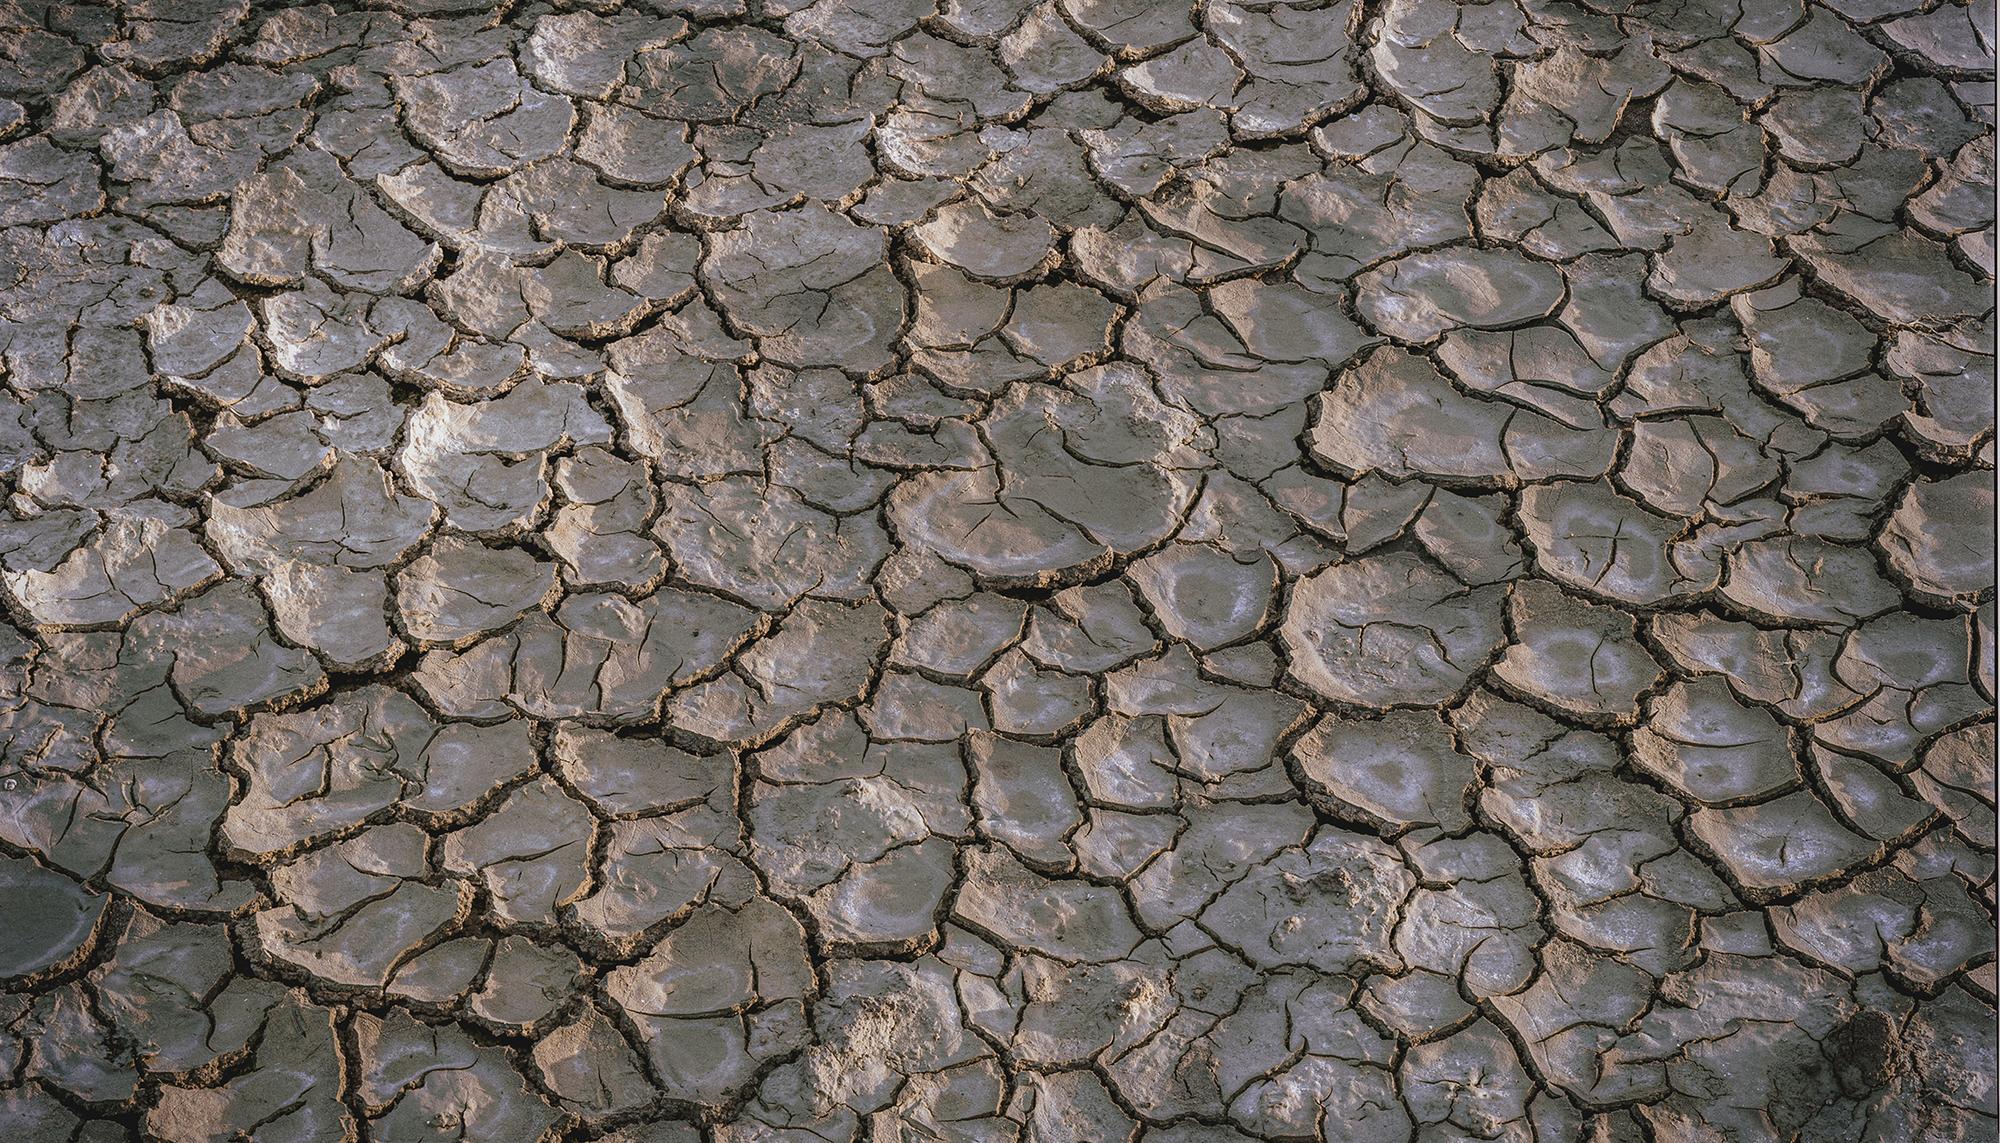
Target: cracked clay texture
997, 571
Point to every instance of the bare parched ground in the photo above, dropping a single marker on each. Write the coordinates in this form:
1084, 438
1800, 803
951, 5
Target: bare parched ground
887, 570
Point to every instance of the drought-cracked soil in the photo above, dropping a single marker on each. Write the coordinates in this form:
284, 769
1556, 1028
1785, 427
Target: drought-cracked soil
1381, 571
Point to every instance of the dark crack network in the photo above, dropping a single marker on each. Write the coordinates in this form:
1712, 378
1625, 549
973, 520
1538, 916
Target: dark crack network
997, 571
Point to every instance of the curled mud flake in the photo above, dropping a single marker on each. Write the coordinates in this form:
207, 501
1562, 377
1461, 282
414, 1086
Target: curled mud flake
1388, 630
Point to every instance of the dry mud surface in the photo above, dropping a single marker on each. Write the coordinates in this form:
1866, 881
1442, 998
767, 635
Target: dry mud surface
1085, 570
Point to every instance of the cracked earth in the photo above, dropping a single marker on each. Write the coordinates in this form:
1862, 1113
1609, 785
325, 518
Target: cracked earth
1383, 571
